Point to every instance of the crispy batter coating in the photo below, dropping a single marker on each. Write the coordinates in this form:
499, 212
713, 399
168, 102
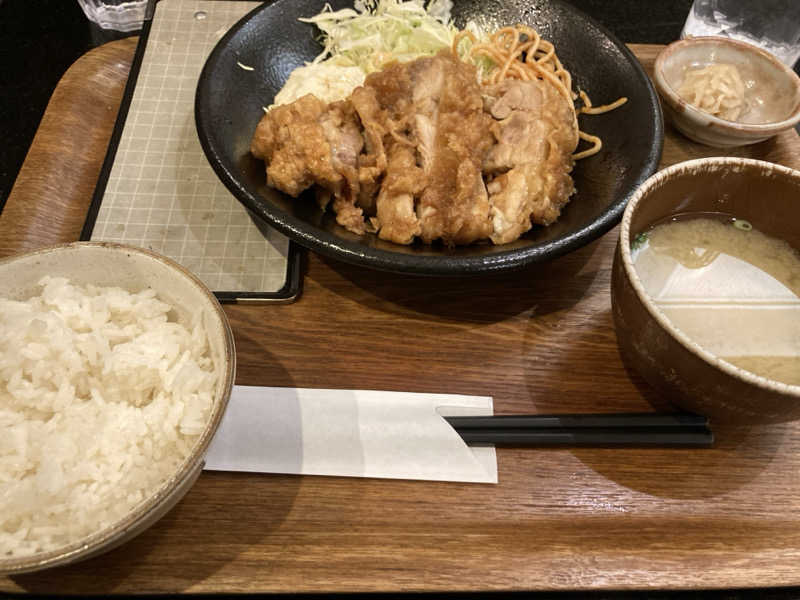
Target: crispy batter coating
420, 151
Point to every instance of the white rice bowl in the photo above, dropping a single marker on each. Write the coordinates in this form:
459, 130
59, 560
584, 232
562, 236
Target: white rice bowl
115, 368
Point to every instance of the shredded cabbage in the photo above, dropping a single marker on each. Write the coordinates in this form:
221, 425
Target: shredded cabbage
376, 32
365, 38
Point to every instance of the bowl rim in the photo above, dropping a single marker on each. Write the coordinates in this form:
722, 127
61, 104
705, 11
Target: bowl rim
116, 532
656, 181
670, 95
353, 252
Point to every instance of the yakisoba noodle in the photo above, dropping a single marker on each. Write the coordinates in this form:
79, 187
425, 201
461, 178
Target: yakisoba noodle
519, 52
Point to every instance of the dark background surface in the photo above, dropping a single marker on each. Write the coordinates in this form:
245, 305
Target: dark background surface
40, 39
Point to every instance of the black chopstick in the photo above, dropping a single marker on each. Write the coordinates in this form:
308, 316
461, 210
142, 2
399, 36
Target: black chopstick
614, 429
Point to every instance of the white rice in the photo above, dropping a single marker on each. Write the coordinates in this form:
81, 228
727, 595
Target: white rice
102, 397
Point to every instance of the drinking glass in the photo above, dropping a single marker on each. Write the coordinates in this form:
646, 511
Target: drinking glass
119, 15
773, 25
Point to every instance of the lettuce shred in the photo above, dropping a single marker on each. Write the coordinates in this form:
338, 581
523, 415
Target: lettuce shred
376, 32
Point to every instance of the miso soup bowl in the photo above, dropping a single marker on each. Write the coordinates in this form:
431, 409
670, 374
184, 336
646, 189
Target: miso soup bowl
766, 195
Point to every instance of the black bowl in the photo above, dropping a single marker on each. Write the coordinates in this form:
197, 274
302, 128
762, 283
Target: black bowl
270, 39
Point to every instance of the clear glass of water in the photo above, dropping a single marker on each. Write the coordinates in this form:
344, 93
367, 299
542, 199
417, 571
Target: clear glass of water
773, 25
119, 15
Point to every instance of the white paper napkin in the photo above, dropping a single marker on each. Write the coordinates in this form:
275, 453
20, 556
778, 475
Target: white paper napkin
352, 433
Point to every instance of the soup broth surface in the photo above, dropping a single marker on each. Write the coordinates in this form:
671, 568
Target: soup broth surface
730, 288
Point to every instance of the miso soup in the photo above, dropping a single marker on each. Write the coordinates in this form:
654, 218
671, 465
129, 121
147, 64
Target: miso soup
730, 288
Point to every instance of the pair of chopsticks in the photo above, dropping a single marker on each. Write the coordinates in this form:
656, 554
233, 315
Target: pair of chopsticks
614, 429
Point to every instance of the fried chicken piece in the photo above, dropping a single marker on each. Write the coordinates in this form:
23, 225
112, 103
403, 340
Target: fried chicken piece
536, 132
343, 134
372, 162
396, 219
454, 206
435, 104
310, 142
293, 144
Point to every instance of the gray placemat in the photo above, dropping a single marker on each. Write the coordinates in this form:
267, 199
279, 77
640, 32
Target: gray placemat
161, 193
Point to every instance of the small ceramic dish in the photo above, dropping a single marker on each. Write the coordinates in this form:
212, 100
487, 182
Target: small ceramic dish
133, 269
690, 376
773, 91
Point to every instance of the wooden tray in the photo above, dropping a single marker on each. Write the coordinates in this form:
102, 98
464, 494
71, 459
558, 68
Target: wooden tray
541, 340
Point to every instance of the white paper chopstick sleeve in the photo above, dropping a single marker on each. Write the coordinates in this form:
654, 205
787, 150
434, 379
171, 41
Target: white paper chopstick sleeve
353, 433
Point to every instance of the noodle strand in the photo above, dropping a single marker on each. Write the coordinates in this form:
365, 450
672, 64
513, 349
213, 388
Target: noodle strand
519, 52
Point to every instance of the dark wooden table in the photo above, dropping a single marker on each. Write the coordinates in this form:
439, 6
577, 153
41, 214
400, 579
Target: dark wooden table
539, 340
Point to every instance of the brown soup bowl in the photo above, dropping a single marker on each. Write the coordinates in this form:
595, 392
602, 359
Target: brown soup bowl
766, 195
